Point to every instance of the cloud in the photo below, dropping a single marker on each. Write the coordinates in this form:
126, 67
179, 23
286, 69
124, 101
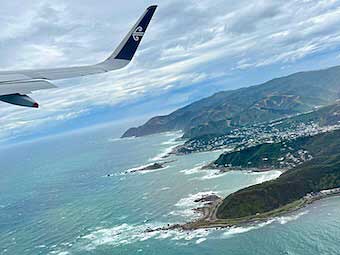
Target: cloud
189, 44
249, 18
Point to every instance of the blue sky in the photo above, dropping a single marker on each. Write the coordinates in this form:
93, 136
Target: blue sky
191, 50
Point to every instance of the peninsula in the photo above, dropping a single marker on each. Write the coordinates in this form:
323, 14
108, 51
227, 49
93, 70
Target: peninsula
309, 180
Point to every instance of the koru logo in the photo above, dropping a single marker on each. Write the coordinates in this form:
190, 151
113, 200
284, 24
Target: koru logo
138, 34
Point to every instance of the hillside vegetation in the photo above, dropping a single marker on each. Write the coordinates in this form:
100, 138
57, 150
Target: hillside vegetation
278, 155
227, 110
322, 172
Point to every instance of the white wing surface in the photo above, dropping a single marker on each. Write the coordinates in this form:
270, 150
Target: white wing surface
16, 84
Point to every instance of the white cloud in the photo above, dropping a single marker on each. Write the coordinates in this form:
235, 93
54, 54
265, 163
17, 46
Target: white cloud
189, 42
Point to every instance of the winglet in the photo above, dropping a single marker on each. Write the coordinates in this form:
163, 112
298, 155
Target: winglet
128, 47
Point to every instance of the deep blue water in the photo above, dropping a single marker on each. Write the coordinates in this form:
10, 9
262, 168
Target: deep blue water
56, 198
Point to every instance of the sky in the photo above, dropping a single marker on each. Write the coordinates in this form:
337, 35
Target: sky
191, 50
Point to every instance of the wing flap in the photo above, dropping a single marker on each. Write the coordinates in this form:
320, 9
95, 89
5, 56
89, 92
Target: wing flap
13, 77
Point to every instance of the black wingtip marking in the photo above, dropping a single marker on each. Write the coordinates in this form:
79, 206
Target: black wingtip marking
152, 7
129, 49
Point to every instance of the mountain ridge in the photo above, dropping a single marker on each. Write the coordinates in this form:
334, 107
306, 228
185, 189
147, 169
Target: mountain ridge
226, 110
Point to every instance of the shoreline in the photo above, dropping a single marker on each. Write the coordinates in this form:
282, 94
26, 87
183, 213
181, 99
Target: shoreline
223, 170
209, 219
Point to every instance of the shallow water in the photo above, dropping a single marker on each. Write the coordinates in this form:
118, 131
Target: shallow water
56, 198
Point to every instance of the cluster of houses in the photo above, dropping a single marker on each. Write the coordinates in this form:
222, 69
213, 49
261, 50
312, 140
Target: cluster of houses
254, 135
322, 193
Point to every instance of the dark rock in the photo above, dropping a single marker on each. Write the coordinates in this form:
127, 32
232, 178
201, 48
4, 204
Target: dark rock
151, 167
209, 198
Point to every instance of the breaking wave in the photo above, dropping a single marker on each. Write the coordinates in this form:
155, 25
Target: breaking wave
230, 232
267, 176
186, 205
126, 234
207, 173
171, 143
194, 170
285, 219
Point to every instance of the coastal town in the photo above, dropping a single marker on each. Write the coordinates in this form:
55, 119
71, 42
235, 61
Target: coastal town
246, 137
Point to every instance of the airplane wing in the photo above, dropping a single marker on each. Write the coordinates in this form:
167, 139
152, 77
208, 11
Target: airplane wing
16, 84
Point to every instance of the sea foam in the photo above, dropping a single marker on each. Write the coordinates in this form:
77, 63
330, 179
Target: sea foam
173, 143
126, 234
187, 204
266, 176
230, 232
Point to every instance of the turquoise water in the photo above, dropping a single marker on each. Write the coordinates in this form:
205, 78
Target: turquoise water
56, 198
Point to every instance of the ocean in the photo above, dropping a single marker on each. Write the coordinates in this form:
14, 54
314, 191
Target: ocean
70, 194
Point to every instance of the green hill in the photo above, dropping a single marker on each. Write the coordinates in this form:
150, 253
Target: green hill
322, 172
278, 155
227, 110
